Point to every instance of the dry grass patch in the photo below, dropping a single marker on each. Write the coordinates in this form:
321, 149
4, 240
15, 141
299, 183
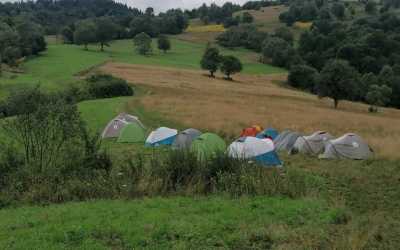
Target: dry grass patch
195, 100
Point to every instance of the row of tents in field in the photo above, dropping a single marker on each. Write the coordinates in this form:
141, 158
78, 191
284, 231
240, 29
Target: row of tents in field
254, 143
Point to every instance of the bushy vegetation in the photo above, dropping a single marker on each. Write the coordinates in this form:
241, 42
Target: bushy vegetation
367, 45
106, 86
48, 152
20, 39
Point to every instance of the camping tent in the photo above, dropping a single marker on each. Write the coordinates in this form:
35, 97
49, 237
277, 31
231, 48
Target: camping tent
313, 144
129, 118
251, 131
161, 136
270, 133
349, 146
114, 128
132, 133
208, 144
259, 150
285, 140
185, 138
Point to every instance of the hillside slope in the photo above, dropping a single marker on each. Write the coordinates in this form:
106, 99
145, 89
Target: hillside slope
195, 100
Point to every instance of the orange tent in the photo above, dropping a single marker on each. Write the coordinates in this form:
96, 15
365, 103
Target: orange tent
251, 131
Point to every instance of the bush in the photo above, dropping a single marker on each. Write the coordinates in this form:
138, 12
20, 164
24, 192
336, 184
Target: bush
303, 77
54, 158
107, 86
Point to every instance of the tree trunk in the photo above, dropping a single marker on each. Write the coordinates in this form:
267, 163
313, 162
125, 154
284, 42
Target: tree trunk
86, 48
336, 103
102, 46
212, 74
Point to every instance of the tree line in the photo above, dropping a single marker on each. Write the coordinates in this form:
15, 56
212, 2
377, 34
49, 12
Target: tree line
357, 60
19, 39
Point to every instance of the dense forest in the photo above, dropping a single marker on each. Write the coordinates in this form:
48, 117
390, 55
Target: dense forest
343, 55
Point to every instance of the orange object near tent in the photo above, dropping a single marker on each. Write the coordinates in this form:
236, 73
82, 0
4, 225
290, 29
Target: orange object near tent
252, 131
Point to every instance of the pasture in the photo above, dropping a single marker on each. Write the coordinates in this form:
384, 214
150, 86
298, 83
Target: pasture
62, 65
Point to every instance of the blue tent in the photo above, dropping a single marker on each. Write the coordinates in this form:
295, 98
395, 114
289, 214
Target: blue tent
268, 133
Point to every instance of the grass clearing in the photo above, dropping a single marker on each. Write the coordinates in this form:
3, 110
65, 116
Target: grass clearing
160, 223
60, 64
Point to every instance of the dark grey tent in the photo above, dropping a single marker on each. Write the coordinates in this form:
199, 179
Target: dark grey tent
349, 146
313, 144
185, 138
286, 140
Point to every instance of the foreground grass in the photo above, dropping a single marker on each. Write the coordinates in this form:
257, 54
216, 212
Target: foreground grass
159, 223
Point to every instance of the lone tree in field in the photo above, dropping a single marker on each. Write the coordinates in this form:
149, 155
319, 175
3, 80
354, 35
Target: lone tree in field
106, 31
211, 60
337, 81
142, 43
85, 33
378, 96
164, 43
230, 65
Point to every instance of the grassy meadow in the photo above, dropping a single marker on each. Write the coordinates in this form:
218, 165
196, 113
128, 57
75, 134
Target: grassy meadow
343, 204
163, 223
61, 64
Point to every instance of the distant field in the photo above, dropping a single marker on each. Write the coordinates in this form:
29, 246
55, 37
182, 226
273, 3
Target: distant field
60, 63
194, 100
167, 223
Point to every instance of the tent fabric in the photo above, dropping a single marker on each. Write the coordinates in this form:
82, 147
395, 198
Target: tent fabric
313, 144
161, 136
185, 138
349, 146
259, 150
113, 128
132, 133
207, 145
270, 133
129, 118
251, 131
286, 140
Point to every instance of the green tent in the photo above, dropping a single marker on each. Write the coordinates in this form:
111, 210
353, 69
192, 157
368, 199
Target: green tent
208, 144
132, 133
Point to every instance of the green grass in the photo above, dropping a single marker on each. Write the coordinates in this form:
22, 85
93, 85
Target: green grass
162, 223
60, 64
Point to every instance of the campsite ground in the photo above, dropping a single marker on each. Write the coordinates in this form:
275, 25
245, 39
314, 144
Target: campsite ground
347, 205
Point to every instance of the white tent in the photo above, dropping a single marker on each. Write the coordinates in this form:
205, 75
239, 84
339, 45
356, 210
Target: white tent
349, 146
313, 144
260, 150
161, 136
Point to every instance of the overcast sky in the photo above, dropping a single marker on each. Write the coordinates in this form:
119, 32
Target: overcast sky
162, 5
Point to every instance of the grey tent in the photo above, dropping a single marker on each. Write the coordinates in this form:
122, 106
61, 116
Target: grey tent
129, 118
286, 140
349, 146
114, 128
185, 138
313, 144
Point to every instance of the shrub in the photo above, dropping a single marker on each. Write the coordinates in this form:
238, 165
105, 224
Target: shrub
303, 77
107, 86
